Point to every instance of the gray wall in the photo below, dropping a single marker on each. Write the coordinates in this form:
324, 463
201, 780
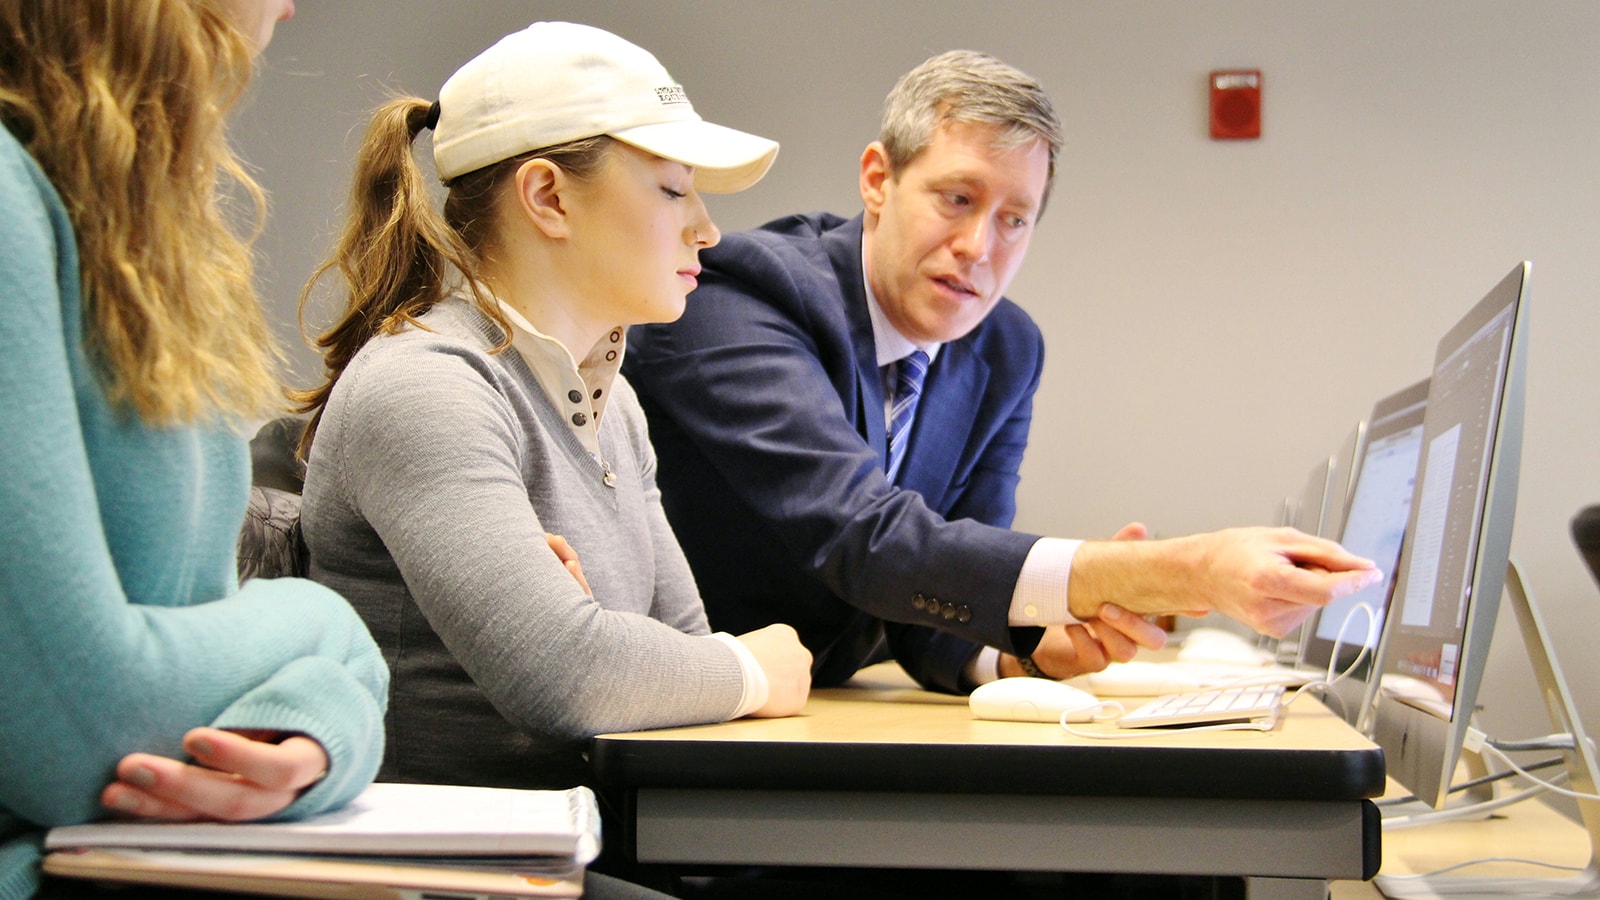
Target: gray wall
1219, 314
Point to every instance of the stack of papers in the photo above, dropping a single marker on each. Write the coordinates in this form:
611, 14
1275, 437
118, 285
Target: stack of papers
394, 840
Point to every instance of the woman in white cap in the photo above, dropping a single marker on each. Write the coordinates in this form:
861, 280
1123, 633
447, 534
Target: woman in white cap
472, 404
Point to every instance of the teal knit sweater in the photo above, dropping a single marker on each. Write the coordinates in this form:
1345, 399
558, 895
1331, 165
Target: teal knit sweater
122, 622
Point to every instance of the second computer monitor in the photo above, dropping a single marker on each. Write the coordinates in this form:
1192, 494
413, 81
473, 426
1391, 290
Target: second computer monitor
1375, 523
1383, 478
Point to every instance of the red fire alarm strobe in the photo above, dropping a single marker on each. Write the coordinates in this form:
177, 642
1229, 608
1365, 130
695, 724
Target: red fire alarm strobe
1236, 104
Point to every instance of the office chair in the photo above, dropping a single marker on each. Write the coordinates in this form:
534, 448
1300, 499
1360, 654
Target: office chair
1586, 535
272, 460
270, 542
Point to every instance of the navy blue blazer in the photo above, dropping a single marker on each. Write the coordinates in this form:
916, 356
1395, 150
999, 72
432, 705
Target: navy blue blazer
766, 409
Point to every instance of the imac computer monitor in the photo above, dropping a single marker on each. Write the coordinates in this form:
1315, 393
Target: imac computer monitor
1309, 508
1452, 567
1341, 480
1303, 511
1319, 509
1384, 475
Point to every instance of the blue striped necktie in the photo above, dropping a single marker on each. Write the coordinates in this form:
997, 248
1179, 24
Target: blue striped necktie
907, 391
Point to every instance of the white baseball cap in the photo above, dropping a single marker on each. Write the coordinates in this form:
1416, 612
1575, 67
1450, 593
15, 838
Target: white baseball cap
554, 82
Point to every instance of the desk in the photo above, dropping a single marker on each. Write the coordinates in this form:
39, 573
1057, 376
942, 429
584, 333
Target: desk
881, 774
1528, 830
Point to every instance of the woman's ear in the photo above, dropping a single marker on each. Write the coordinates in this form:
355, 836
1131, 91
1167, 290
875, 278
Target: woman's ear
541, 189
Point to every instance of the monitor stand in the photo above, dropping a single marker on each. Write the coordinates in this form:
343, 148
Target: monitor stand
1582, 768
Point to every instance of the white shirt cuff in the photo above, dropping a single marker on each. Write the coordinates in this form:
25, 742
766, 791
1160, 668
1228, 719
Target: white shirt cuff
1041, 595
983, 667
756, 687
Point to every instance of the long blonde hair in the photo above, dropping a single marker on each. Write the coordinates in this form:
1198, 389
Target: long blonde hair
396, 255
123, 105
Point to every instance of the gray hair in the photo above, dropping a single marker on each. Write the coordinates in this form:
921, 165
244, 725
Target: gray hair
967, 86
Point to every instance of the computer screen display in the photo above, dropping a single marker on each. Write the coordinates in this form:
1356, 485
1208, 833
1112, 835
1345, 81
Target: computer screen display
1452, 566
1385, 475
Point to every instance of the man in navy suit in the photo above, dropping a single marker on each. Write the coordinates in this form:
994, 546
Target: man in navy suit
778, 413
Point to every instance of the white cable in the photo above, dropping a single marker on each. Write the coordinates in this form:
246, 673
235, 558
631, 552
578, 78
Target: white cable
1478, 862
1310, 685
1332, 678
1386, 802
1447, 870
1497, 753
1366, 645
1559, 741
1269, 677
1434, 884
1343, 713
1104, 711
1470, 811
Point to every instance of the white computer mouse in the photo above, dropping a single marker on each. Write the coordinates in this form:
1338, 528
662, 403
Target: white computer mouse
1140, 679
1033, 700
1222, 646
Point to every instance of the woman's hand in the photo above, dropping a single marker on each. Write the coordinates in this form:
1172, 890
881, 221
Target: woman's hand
236, 776
787, 664
569, 558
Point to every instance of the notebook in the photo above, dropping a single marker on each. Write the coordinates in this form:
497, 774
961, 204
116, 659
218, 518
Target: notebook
295, 876
393, 840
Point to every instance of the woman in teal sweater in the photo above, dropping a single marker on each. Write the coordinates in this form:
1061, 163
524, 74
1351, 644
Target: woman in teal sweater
136, 675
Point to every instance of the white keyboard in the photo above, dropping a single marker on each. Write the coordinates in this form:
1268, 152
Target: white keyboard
1245, 703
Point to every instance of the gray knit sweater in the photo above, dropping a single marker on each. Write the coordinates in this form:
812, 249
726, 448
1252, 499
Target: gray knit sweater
437, 469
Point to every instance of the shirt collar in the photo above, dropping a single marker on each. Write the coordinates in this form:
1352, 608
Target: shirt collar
891, 345
578, 390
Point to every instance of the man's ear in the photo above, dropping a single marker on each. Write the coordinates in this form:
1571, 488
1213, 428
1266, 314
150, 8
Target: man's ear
874, 177
541, 187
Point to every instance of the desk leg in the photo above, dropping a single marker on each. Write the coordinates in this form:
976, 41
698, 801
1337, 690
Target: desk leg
1285, 889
